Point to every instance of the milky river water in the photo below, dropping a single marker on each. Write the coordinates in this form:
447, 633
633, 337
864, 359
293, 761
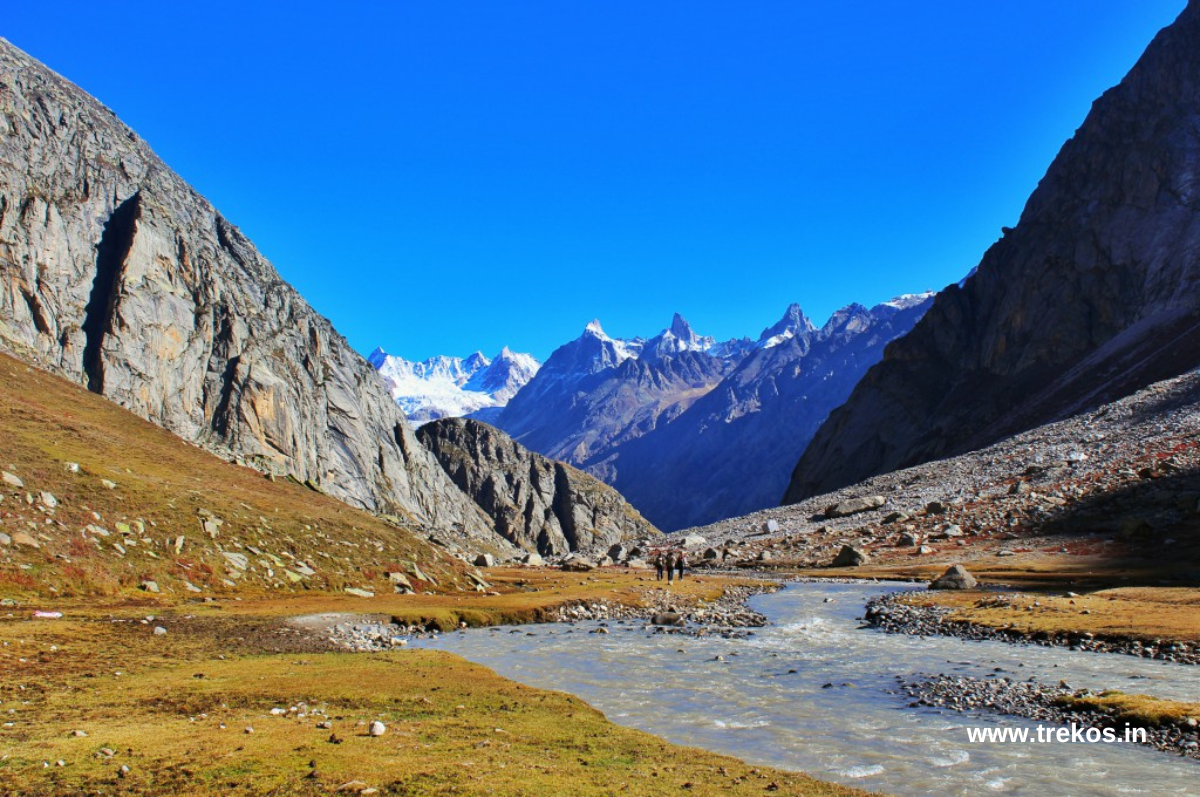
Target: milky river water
839, 716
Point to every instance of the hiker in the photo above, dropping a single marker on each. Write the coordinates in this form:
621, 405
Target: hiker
658, 565
680, 562
670, 565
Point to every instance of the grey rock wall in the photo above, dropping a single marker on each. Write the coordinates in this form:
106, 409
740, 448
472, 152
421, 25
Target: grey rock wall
116, 274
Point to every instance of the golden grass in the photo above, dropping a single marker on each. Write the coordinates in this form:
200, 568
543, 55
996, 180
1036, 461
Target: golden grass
1143, 613
1135, 710
453, 727
163, 486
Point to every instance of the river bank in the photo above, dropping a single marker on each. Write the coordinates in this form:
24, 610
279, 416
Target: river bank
923, 615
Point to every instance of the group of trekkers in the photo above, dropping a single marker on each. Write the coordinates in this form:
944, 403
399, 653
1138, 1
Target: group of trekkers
672, 561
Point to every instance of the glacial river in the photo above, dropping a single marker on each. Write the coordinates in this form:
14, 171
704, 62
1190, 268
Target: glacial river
840, 716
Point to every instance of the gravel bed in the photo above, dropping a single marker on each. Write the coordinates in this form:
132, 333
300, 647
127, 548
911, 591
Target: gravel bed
1038, 702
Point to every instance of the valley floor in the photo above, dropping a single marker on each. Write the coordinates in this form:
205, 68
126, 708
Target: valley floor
233, 699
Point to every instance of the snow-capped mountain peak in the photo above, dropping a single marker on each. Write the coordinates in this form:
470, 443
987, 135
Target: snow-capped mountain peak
450, 386
677, 338
793, 323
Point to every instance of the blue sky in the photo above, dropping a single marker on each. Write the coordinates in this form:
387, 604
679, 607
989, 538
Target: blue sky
451, 176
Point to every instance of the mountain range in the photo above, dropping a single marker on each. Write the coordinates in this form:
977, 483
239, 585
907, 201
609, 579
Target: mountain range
692, 430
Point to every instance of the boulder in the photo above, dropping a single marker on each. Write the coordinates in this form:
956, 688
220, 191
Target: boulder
359, 593
935, 508
26, 539
956, 577
853, 506
711, 553
907, 540
11, 480
398, 579
577, 566
617, 552
850, 556
694, 541
667, 618
485, 560
770, 527
533, 559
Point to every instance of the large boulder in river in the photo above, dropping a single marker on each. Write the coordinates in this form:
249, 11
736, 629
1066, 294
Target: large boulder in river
850, 556
853, 506
956, 577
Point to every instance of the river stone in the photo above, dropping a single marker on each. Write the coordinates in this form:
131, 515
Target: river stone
956, 577
667, 618
850, 556
855, 505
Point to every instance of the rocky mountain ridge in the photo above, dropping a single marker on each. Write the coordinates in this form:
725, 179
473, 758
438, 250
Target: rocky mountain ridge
1091, 296
117, 275
542, 506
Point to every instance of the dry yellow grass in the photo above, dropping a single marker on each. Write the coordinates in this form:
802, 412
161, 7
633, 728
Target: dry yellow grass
1143, 613
1134, 710
175, 709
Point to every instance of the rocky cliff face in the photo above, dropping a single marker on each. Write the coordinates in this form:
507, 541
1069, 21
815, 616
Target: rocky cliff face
1092, 296
119, 276
538, 504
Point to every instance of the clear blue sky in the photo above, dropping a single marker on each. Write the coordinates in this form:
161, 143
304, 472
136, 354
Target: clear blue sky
438, 177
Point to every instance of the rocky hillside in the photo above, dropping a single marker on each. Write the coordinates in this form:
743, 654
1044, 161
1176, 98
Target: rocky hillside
1093, 295
540, 505
117, 275
96, 501
1110, 493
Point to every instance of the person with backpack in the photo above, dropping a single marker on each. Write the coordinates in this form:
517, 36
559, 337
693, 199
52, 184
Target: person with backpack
658, 565
669, 563
680, 563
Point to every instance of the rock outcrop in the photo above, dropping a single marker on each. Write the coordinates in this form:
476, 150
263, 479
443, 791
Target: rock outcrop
1093, 295
118, 275
538, 504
